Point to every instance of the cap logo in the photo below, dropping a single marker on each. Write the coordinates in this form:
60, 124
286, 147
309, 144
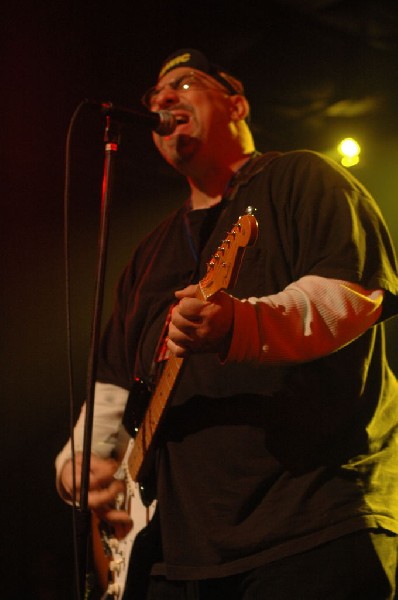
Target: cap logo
183, 58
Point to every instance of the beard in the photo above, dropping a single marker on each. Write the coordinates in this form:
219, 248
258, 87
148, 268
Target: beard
178, 150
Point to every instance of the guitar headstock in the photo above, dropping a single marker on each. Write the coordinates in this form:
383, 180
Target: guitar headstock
223, 268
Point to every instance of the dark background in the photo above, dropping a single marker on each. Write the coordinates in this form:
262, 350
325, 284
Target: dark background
315, 71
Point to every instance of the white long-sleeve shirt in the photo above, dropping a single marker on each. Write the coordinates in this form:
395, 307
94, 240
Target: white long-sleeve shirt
310, 318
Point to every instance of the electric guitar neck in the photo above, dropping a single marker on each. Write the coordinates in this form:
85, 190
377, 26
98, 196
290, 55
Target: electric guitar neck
222, 273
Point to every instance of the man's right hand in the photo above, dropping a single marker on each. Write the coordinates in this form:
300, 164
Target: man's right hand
103, 489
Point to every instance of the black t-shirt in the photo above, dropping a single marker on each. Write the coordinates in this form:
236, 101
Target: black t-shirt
257, 463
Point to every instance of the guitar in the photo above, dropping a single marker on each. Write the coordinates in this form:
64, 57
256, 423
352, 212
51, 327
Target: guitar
111, 553
222, 272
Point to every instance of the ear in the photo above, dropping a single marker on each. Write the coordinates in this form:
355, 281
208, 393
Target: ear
239, 107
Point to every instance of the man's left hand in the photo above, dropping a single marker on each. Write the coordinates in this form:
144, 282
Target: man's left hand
199, 326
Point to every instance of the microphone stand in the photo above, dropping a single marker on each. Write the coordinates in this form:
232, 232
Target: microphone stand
111, 140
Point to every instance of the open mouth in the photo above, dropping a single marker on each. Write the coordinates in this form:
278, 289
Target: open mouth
181, 119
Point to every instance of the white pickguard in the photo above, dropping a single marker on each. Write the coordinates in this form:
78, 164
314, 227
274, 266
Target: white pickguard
119, 551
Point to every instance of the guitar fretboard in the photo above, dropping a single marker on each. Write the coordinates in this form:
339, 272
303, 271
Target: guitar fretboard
144, 439
222, 271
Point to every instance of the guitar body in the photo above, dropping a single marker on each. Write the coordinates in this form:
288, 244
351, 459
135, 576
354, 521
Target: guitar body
112, 556
146, 551
141, 547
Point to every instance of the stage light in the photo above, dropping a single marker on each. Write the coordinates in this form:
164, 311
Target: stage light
349, 150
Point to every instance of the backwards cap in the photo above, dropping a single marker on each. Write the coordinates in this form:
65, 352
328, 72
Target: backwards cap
188, 57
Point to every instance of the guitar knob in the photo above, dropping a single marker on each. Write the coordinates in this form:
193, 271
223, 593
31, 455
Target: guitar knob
113, 590
115, 566
113, 544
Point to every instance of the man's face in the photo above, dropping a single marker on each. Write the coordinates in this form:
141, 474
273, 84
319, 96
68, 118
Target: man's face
202, 108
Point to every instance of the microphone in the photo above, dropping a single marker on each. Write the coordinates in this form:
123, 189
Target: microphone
162, 122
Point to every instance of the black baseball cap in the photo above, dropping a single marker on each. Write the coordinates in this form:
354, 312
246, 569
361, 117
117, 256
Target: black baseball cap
189, 57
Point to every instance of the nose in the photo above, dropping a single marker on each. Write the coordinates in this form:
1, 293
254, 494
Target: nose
165, 98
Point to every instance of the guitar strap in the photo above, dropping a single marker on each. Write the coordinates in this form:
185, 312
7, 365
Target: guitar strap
197, 235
